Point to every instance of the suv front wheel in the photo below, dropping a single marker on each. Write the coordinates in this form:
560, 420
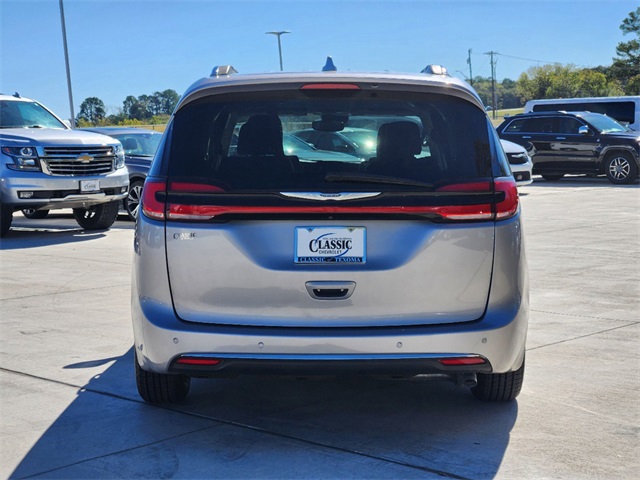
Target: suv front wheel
6, 217
97, 217
132, 202
621, 168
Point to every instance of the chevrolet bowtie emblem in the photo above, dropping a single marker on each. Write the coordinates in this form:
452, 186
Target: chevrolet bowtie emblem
85, 158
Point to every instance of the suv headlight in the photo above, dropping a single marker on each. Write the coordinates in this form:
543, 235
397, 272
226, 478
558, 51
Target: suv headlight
119, 151
24, 158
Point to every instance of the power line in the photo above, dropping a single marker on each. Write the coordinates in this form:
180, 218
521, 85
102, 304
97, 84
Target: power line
538, 61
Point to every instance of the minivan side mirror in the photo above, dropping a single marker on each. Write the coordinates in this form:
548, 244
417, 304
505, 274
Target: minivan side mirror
584, 130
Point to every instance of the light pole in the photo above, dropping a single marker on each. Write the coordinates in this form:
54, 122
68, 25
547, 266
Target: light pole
66, 61
278, 34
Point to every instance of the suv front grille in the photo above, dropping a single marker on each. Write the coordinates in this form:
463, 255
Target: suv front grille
78, 161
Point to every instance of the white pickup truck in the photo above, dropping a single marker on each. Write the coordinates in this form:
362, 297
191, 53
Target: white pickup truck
46, 165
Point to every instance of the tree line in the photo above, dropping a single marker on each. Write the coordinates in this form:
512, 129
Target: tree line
622, 77
143, 110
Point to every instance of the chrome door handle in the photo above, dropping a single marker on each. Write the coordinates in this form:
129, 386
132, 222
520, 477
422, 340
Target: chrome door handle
561, 138
526, 136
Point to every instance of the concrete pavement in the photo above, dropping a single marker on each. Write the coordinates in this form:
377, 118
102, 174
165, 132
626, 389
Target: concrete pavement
69, 407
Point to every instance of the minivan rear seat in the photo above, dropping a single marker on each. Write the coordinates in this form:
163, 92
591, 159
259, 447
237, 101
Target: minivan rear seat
260, 160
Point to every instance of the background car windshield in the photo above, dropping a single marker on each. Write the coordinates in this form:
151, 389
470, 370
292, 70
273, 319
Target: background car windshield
141, 145
243, 142
18, 114
605, 124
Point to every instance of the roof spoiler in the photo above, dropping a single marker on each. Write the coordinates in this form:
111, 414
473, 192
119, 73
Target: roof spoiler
222, 71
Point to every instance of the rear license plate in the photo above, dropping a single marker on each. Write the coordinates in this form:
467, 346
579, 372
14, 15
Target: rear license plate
88, 186
330, 245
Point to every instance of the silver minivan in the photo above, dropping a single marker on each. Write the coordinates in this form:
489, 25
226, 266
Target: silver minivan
256, 255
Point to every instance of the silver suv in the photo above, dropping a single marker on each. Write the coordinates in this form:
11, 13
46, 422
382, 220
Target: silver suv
46, 165
252, 256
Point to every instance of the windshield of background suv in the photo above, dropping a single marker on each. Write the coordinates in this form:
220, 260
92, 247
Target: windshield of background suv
139, 144
17, 114
235, 142
604, 124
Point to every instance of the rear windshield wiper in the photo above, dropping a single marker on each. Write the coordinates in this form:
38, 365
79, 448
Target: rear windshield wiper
379, 179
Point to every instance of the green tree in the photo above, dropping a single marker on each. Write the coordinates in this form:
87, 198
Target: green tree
168, 99
627, 64
92, 111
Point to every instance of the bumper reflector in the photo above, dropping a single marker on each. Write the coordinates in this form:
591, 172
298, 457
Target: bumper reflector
198, 361
452, 362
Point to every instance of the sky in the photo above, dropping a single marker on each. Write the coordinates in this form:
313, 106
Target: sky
119, 48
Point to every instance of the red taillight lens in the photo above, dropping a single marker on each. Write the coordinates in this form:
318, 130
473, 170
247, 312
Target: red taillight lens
151, 207
193, 187
198, 361
467, 187
460, 361
509, 206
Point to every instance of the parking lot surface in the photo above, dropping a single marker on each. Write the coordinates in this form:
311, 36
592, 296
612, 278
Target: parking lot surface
69, 406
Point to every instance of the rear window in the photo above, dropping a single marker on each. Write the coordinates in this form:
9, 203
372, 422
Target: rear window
369, 141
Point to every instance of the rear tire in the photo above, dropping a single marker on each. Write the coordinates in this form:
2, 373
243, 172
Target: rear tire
34, 214
499, 387
161, 388
552, 178
620, 168
97, 217
6, 217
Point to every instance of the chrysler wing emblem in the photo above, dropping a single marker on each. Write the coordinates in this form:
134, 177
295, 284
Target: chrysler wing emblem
84, 158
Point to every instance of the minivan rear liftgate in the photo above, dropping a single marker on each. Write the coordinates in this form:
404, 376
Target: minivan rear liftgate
353, 263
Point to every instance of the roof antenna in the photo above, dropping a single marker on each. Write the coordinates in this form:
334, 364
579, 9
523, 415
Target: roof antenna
17, 95
329, 66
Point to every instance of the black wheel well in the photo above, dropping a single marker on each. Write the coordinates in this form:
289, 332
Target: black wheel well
135, 178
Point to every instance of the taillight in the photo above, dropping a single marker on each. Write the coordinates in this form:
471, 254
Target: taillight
193, 187
508, 207
151, 207
484, 211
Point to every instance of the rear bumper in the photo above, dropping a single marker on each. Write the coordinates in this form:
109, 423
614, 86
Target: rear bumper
161, 338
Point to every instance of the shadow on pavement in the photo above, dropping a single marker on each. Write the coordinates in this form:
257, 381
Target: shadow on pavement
225, 428
54, 230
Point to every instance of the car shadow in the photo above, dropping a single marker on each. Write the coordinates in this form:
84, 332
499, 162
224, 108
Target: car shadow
56, 229
423, 427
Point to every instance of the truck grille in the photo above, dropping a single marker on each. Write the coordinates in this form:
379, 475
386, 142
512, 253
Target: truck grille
76, 161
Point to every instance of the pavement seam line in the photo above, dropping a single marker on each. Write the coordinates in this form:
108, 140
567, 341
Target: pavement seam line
56, 293
577, 315
440, 473
582, 336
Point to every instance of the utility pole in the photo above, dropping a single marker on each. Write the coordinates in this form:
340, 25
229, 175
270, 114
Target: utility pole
279, 34
470, 72
494, 97
66, 61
